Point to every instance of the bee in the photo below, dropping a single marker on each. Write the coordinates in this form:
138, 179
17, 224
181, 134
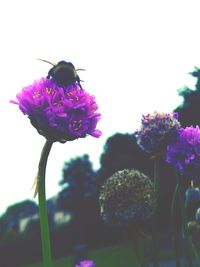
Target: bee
63, 73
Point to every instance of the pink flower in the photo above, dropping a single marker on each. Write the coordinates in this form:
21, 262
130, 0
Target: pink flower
59, 113
86, 263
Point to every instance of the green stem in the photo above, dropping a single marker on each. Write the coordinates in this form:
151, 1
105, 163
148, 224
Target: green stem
187, 239
44, 226
155, 228
139, 251
186, 244
173, 226
196, 254
139, 245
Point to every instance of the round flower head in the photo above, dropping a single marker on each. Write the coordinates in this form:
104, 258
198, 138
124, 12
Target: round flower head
184, 152
192, 195
86, 263
59, 113
157, 130
127, 196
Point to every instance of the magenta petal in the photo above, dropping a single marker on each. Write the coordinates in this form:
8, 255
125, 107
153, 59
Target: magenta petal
96, 133
59, 113
184, 152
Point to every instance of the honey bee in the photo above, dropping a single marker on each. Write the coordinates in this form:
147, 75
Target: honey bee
63, 73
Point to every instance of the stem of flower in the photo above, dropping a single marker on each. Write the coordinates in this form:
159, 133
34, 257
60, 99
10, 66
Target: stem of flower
174, 229
139, 249
187, 241
44, 226
139, 241
196, 253
185, 236
155, 227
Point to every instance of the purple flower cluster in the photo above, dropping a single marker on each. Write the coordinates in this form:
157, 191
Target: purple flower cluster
184, 152
157, 131
59, 113
86, 263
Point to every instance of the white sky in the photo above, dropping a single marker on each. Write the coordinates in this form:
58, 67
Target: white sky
136, 53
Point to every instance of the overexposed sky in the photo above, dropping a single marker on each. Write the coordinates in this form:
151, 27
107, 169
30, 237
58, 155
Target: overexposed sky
136, 53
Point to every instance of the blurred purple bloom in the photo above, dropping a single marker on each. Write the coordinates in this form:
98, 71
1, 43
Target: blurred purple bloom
86, 263
184, 152
157, 131
59, 114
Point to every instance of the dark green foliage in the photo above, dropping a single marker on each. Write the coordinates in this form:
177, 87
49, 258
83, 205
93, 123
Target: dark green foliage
189, 110
77, 182
9, 221
121, 151
22, 209
79, 197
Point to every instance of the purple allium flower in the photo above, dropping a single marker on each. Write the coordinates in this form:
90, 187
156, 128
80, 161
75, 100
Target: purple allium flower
184, 152
86, 263
127, 196
192, 194
156, 131
59, 114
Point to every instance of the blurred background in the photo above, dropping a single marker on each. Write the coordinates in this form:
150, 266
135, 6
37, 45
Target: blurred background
140, 57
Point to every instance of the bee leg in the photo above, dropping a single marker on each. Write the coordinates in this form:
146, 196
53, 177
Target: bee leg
79, 81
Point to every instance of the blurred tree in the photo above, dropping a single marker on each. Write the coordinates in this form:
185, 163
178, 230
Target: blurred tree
76, 196
121, 151
10, 219
189, 110
78, 182
22, 209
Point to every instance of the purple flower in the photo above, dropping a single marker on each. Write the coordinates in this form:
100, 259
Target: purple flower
86, 263
157, 131
184, 152
59, 113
